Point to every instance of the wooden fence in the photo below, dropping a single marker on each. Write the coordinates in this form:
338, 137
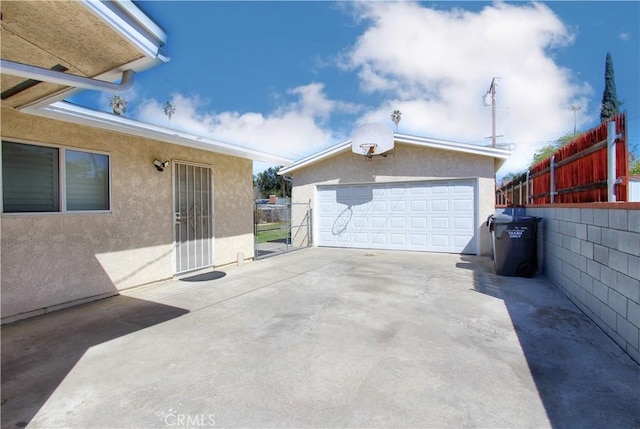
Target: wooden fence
575, 173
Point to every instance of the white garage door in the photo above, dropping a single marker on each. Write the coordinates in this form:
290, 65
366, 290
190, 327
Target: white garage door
435, 216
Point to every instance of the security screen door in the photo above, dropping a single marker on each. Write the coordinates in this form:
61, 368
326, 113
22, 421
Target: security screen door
193, 220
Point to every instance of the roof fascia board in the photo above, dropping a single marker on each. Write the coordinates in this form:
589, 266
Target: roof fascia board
124, 17
68, 112
453, 146
501, 154
316, 157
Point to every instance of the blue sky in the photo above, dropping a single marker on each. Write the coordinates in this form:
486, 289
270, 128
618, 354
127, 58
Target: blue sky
292, 78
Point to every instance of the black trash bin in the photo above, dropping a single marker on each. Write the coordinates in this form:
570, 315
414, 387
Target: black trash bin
514, 244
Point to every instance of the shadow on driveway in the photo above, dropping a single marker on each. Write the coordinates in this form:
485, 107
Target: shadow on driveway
582, 376
38, 353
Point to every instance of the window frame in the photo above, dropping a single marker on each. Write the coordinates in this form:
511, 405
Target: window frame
62, 179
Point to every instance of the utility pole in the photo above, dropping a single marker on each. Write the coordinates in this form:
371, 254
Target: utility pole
575, 108
492, 92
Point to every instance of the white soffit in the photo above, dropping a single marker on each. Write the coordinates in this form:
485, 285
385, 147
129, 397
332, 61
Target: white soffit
68, 112
125, 18
136, 27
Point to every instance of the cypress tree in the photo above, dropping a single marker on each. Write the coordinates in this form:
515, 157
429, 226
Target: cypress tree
610, 102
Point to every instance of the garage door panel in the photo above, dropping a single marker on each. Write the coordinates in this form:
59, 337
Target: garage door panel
378, 222
461, 223
439, 205
440, 223
463, 189
418, 223
326, 221
343, 238
398, 239
418, 240
398, 206
440, 240
437, 189
378, 207
360, 222
360, 237
398, 223
418, 206
379, 238
327, 237
327, 207
462, 205
423, 216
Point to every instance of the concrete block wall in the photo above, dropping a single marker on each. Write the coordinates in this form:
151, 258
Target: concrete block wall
593, 256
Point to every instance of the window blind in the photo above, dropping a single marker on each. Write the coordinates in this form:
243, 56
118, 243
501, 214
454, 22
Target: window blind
30, 178
87, 180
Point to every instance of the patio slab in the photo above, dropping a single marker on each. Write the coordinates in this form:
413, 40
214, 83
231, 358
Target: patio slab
322, 338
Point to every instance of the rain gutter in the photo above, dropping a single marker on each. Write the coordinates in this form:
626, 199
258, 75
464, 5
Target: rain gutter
61, 78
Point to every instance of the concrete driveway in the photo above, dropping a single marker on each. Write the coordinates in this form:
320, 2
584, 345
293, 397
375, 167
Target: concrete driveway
322, 338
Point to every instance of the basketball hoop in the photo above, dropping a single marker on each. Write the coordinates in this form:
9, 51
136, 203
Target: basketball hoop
368, 149
372, 140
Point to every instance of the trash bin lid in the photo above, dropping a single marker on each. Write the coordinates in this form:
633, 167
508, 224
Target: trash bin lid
527, 219
501, 218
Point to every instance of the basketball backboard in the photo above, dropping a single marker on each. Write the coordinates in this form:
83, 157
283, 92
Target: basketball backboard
372, 139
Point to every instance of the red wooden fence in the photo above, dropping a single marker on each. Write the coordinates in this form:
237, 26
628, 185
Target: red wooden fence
580, 170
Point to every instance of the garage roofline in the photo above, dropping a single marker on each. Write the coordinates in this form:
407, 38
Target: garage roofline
500, 154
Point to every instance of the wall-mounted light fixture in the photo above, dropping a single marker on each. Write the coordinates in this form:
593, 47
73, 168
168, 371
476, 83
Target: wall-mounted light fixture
159, 165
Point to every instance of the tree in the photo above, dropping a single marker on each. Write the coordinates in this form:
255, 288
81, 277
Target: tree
118, 104
395, 117
548, 150
634, 162
169, 110
610, 102
270, 183
511, 176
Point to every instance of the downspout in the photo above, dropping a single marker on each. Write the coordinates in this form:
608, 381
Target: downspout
66, 79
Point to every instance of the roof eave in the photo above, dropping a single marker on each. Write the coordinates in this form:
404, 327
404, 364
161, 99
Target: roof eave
316, 157
128, 20
136, 27
453, 146
68, 112
500, 155
137, 66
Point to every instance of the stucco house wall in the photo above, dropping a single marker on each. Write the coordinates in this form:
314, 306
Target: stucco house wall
406, 163
52, 259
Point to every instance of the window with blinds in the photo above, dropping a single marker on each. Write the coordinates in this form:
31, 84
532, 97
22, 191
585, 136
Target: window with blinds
87, 180
33, 180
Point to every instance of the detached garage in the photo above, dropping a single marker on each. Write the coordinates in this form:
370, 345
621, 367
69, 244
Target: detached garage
423, 195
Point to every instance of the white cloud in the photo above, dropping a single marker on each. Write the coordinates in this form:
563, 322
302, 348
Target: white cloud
435, 66
295, 129
313, 103
624, 36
